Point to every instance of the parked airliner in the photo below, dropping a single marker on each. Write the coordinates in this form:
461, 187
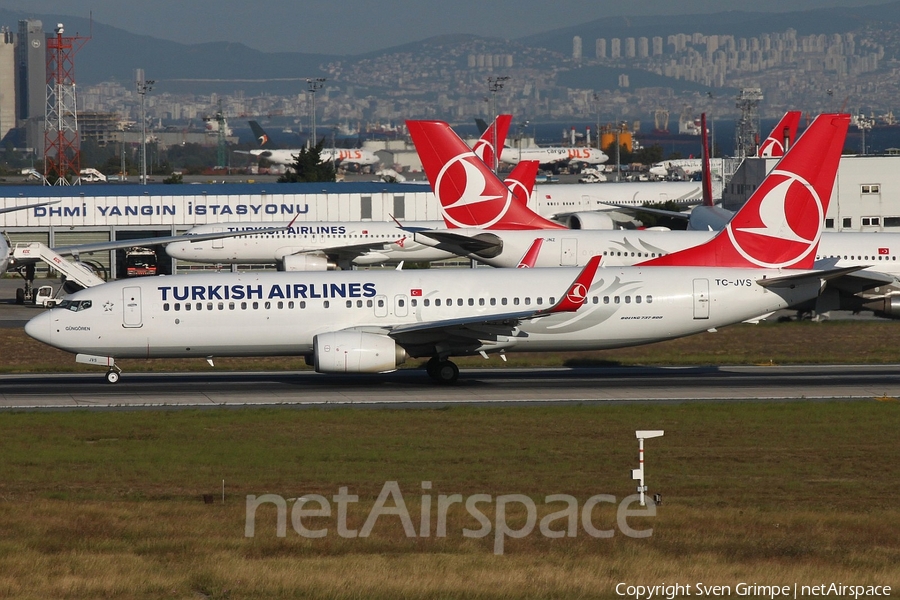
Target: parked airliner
549, 156
708, 216
372, 321
876, 288
288, 156
774, 146
330, 245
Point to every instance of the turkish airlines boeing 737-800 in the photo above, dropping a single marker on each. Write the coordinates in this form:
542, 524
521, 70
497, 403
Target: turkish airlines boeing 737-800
368, 321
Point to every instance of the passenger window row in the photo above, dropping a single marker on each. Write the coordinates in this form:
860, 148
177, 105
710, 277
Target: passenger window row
851, 257
369, 303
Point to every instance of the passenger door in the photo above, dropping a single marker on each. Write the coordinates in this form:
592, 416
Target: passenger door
131, 306
701, 298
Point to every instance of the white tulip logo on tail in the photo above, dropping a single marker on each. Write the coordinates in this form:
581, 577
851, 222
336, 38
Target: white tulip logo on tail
577, 293
771, 148
460, 186
790, 220
484, 150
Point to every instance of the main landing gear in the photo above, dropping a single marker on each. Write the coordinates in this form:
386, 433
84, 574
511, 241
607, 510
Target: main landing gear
442, 371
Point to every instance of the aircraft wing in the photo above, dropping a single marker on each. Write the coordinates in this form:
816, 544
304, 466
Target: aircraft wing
155, 241
861, 281
826, 275
475, 327
461, 244
15, 208
653, 211
476, 331
355, 249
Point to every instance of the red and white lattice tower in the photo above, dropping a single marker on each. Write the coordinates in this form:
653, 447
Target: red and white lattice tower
61, 143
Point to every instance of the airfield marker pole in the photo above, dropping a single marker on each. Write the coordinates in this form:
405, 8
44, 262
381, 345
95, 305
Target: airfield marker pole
638, 473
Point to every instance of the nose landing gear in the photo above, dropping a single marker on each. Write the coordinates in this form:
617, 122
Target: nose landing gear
112, 376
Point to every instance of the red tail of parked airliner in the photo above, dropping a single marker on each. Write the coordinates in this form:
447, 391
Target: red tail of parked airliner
782, 136
470, 193
781, 223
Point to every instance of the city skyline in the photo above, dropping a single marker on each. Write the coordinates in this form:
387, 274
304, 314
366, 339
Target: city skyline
364, 27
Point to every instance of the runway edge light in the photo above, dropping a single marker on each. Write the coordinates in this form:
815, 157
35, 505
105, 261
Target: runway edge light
641, 435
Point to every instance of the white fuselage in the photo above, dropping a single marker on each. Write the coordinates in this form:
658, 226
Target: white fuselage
545, 156
278, 313
549, 200
623, 247
288, 156
383, 241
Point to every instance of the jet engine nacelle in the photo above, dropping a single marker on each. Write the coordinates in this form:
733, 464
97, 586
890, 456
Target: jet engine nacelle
889, 306
356, 352
589, 220
303, 262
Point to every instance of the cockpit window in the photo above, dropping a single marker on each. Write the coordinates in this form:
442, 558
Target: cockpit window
75, 305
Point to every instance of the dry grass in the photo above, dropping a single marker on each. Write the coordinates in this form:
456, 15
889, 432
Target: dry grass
109, 504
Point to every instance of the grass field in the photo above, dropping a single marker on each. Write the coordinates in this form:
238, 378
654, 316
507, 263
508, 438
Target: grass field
110, 504
767, 343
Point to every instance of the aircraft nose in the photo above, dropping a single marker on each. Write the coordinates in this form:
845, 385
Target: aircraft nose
177, 250
39, 327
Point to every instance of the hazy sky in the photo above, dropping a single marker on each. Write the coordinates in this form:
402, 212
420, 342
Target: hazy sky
355, 26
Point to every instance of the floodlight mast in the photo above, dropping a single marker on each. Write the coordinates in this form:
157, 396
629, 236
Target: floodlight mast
639, 472
495, 84
313, 85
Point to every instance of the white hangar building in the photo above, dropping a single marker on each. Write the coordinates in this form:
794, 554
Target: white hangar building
866, 194
104, 212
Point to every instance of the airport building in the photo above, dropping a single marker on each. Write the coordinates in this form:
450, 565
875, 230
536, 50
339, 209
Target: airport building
104, 212
866, 193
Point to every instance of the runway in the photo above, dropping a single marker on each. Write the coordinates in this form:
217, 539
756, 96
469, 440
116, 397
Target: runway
413, 388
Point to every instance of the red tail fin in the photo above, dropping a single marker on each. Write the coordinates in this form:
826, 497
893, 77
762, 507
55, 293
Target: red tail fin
485, 148
781, 223
522, 179
470, 193
782, 136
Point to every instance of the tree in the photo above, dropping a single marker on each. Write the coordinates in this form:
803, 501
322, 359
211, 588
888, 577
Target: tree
649, 154
308, 166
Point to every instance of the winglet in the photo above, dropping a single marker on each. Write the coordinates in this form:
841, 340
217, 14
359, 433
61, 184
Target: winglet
291, 224
470, 193
782, 136
530, 258
781, 223
577, 293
